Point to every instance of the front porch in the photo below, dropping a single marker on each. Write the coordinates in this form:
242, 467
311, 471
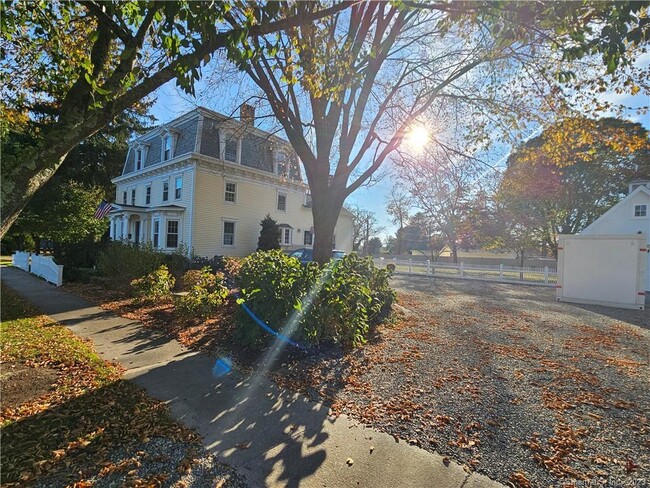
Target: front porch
160, 226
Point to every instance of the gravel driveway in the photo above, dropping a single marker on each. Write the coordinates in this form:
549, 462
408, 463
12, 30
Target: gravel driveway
505, 379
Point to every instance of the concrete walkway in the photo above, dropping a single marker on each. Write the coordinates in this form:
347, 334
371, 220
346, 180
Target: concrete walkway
274, 437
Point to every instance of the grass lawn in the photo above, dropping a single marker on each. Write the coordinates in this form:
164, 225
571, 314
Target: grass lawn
67, 417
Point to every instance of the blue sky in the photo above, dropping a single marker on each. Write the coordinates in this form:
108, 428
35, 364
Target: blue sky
172, 102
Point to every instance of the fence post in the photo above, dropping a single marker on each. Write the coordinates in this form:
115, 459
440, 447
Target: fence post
462, 269
428, 267
546, 275
501, 271
395, 263
381, 262
410, 264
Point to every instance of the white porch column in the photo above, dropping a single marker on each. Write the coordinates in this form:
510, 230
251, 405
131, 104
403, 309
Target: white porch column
111, 228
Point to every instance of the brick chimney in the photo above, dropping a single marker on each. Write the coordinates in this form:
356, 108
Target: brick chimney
247, 114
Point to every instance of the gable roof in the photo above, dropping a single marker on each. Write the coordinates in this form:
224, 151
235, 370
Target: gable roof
640, 189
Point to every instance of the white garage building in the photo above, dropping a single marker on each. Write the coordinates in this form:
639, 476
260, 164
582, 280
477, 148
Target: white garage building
607, 264
629, 216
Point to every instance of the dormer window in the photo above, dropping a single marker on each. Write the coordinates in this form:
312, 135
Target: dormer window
230, 150
230, 147
168, 143
281, 164
140, 156
167, 147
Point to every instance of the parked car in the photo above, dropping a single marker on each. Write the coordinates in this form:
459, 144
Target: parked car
306, 255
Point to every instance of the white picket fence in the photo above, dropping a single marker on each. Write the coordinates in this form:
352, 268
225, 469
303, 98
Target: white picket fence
20, 259
508, 274
43, 266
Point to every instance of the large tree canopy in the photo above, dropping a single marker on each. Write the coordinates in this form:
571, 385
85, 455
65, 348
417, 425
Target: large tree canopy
574, 171
69, 68
63, 209
347, 88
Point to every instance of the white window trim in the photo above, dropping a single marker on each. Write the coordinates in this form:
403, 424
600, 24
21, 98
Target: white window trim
176, 178
133, 196
172, 151
277, 201
287, 164
143, 149
178, 232
634, 216
228, 202
223, 233
153, 232
162, 190
224, 137
149, 193
284, 233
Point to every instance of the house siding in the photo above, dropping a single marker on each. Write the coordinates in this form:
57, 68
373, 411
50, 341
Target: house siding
255, 199
620, 219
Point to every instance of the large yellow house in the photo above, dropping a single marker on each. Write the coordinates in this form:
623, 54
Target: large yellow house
206, 181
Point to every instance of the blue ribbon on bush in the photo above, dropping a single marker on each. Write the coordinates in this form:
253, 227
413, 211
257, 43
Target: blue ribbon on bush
265, 326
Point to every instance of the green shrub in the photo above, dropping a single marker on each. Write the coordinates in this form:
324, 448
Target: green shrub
337, 304
272, 285
155, 286
80, 275
122, 262
206, 292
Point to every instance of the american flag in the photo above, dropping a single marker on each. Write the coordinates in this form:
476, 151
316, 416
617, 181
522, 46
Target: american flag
103, 209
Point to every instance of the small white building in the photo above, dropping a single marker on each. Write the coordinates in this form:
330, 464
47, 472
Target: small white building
206, 181
629, 216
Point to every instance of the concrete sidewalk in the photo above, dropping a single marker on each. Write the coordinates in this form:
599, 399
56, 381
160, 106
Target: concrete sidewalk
274, 437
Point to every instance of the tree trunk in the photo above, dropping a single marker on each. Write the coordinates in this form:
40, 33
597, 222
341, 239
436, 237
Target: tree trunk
325, 212
454, 252
325, 217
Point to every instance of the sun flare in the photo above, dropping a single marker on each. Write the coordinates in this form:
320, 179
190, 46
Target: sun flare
417, 138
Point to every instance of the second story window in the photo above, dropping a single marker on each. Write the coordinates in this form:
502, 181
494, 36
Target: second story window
165, 193
230, 194
282, 202
124, 198
167, 147
640, 210
147, 195
133, 196
178, 189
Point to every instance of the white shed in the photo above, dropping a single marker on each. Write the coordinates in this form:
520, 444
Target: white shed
630, 216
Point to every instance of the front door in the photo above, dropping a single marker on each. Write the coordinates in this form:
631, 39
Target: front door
137, 232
